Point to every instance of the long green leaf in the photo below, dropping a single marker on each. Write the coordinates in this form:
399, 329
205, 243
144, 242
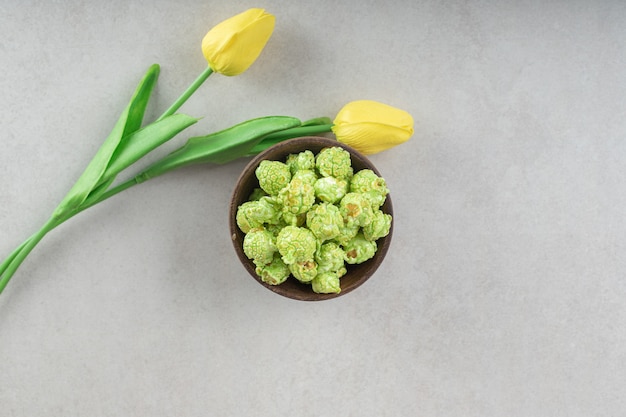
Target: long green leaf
304, 130
139, 101
221, 147
145, 140
129, 121
317, 121
98, 191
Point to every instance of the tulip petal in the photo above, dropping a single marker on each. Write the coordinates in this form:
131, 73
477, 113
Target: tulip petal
375, 112
234, 44
370, 138
371, 127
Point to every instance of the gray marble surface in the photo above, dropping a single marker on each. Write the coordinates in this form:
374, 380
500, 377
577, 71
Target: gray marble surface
504, 292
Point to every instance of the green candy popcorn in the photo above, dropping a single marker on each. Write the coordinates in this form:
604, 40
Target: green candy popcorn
301, 161
253, 214
256, 194
274, 229
334, 162
359, 249
326, 283
304, 271
297, 197
330, 189
294, 219
376, 200
379, 227
311, 216
246, 218
296, 244
324, 220
371, 185
356, 209
305, 175
273, 176
274, 273
330, 258
260, 246
346, 233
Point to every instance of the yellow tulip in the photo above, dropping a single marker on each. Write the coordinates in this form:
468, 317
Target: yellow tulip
371, 127
234, 44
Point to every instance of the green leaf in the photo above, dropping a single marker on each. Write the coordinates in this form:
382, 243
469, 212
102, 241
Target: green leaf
98, 191
306, 129
317, 121
145, 140
129, 121
139, 101
221, 147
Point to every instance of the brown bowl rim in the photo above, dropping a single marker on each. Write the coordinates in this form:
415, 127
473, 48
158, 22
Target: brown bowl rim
292, 288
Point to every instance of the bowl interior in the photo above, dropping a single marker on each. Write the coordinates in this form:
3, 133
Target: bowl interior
247, 182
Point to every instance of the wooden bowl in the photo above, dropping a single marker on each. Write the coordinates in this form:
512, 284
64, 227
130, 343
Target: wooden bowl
247, 182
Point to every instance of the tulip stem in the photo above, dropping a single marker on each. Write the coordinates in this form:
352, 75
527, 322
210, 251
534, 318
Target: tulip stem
299, 131
187, 93
274, 138
10, 265
15, 259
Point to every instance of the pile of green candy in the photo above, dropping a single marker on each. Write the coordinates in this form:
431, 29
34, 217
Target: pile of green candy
310, 216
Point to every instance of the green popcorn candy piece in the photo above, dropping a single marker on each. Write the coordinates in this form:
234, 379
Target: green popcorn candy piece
324, 220
304, 271
326, 283
296, 244
367, 180
260, 246
379, 227
359, 249
274, 273
330, 258
346, 233
356, 209
274, 229
371, 185
256, 194
334, 162
305, 175
294, 219
273, 176
245, 217
253, 214
301, 161
376, 200
297, 197
330, 189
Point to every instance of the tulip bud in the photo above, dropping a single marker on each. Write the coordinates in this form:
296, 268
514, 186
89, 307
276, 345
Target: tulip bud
234, 44
371, 127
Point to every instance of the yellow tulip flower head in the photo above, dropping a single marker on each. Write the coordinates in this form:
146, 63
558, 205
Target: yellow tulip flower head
371, 127
234, 44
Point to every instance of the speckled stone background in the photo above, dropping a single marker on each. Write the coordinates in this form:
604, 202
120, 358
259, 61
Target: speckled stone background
504, 292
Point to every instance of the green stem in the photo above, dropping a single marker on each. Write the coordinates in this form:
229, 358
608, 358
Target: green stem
108, 194
299, 131
15, 259
90, 202
295, 132
7, 261
18, 256
188, 92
